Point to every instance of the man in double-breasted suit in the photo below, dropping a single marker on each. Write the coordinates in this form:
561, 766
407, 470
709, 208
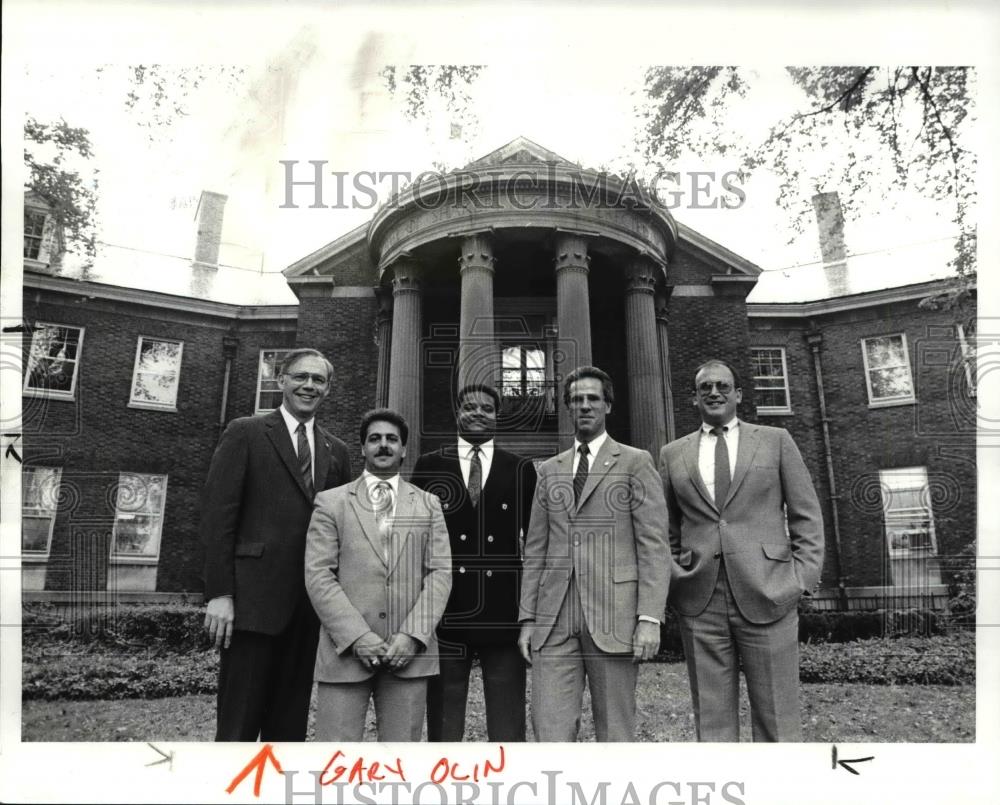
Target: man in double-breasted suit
378, 571
596, 571
254, 512
747, 534
486, 494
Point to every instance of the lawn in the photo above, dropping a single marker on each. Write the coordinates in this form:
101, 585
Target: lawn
845, 713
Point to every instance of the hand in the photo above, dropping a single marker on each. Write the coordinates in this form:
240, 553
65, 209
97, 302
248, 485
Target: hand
645, 641
524, 641
401, 649
219, 620
369, 648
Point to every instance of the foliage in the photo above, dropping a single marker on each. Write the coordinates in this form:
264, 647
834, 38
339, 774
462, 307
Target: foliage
54, 155
160, 627
943, 660
879, 130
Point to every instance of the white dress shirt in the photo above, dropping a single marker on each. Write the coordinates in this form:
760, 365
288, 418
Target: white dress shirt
465, 459
594, 445
371, 480
293, 424
706, 452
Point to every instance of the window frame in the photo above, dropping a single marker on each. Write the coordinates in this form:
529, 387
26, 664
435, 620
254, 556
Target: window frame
146, 404
258, 411
774, 410
39, 556
126, 559
50, 394
886, 402
928, 509
968, 358
35, 213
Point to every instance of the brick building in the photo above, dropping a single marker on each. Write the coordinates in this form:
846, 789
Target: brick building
536, 266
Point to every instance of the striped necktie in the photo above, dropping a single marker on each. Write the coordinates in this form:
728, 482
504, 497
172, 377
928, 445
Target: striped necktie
582, 469
305, 459
475, 476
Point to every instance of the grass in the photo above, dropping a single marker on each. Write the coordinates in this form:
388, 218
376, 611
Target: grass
845, 713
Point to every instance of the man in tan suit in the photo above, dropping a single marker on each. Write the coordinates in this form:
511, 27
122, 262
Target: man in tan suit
747, 534
378, 572
596, 570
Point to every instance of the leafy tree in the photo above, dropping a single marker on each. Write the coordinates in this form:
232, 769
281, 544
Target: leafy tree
881, 129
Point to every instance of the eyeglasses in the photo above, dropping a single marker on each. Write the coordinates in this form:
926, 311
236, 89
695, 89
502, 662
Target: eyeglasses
301, 377
704, 389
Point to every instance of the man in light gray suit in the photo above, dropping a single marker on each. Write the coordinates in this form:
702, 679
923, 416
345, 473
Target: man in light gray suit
596, 570
378, 572
747, 535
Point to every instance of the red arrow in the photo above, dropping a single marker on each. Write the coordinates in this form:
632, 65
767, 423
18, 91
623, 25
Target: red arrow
259, 762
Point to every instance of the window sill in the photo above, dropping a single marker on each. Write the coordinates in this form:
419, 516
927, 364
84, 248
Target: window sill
152, 407
61, 396
135, 560
34, 558
892, 403
774, 412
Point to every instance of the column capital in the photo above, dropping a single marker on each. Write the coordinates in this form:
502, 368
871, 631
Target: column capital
476, 252
406, 275
640, 276
662, 300
383, 295
571, 253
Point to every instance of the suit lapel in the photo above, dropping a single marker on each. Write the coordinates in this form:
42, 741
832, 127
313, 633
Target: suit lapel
749, 442
278, 434
366, 517
690, 452
321, 462
601, 465
402, 522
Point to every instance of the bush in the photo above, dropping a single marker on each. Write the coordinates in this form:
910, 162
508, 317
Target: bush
175, 627
945, 660
843, 627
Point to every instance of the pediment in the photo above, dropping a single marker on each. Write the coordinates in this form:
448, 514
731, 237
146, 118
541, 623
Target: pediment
520, 151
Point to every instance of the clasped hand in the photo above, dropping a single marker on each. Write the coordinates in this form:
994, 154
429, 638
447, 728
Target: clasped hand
374, 652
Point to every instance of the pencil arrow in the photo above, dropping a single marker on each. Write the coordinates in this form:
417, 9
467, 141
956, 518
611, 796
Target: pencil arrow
845, 764
165, 757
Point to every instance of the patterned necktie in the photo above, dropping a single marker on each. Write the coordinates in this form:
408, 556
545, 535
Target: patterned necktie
721, 467
580, 479
305, 459
381, 496
475, 477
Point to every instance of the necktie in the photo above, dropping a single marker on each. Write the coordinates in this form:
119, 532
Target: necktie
580, 479
721, 467
305, 459
381, 495
475, 477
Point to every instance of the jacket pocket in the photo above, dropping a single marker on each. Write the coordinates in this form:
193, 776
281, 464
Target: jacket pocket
252, 550
779, 553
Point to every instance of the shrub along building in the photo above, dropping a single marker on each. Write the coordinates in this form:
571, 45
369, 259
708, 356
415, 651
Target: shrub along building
512, 271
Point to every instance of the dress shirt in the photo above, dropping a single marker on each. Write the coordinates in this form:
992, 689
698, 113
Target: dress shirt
594, 445
706, 452
293, 425
465, 458
371, 480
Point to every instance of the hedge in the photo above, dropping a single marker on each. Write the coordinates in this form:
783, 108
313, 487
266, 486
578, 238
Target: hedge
945, 660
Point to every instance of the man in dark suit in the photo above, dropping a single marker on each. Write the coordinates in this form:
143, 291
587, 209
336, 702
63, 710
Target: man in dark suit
747, 534
486, 494
378, 571
596, 571
255, 510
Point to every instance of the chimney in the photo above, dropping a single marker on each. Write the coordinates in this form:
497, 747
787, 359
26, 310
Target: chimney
830, 220
211, 209
204, 267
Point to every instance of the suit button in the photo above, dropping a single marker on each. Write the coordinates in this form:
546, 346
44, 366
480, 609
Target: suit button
503, 506
489, 573
576, 542
461, 570
489, 538
723, 522
381, 615
718, 554
462, 537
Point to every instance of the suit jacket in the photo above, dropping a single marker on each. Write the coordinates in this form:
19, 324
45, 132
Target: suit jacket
614, 540
356, 590
485, 543
254, 515
768, 566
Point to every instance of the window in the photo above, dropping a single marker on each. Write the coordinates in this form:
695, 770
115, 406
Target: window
156, 375
268, 393
968, 359
39, 502
34, 231
887, 370
53, 361
524, 378
770, 380
909, 528
139, 503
